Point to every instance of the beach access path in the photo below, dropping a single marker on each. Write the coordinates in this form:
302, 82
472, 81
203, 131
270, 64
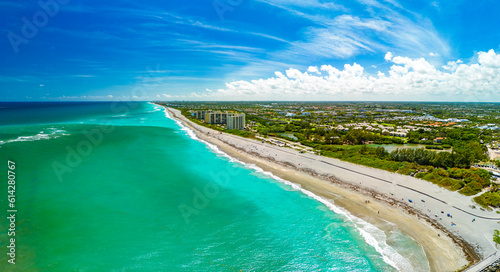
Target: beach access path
466, 219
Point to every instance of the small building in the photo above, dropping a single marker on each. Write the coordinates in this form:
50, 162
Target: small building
438, 140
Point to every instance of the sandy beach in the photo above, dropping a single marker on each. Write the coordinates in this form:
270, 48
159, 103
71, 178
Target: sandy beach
376, 196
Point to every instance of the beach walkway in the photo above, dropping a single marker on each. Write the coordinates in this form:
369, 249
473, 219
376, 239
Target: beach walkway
457, 213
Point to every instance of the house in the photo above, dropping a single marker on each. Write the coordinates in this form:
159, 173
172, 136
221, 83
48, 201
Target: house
340, 127
438, 140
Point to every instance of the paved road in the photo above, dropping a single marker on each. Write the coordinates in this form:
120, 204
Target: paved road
479, 267
439, 199
359, 173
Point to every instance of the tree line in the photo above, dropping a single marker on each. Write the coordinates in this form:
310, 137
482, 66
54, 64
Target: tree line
463, 155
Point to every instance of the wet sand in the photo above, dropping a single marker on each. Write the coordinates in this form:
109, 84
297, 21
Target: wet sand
360, 191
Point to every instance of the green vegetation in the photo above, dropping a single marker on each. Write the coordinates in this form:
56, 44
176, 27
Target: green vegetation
241, 133
222, 128
461, 132
418, 162
496, 237
462, 156
487, 199
437, 147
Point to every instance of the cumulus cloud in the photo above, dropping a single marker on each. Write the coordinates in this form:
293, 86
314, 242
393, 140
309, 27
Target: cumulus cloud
407, 79
314, 69
388, 56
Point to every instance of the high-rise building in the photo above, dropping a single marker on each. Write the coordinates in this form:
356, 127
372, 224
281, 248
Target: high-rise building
217, 117
236, 121
200, 115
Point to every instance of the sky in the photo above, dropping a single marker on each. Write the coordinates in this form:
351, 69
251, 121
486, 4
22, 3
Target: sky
241, 50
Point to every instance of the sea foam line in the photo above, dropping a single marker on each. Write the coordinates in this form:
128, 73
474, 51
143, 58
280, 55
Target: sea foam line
369, 232
56, 133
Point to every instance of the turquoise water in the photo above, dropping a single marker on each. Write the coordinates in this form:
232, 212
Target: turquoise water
123, 188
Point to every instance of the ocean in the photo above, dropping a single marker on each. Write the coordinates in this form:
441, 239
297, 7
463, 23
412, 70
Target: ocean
123, 187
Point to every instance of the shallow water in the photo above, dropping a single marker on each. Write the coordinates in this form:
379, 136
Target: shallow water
122, 187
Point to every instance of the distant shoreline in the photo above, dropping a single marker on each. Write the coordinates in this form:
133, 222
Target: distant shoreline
445, 252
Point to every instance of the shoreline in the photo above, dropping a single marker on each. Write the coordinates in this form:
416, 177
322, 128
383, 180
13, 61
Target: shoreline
444, 250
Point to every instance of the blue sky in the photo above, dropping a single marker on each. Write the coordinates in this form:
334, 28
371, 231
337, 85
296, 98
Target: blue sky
250, 50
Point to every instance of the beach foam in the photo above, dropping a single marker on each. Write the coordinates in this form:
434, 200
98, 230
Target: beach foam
370, 233
54, 133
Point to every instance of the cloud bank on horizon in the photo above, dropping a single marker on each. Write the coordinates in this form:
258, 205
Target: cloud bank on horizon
407, 79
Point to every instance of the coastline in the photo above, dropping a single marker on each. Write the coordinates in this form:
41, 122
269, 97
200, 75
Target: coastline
445, 251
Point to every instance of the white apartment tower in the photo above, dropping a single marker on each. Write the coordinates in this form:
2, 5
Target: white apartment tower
236, 121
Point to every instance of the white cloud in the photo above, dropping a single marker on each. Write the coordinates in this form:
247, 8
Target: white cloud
407, 79
452, 65
489, 59
388, 56
313, 69
330, 42
334, 35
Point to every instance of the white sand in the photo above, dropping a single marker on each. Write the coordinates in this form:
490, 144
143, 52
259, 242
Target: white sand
443, 254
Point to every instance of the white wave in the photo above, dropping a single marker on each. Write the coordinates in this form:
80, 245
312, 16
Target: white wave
155, 107
193, 136
55, 133
370, 233
58, 131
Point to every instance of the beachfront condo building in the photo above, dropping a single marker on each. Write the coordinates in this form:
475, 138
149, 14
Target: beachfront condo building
236, 121
217, 117
200, 115
232, 120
